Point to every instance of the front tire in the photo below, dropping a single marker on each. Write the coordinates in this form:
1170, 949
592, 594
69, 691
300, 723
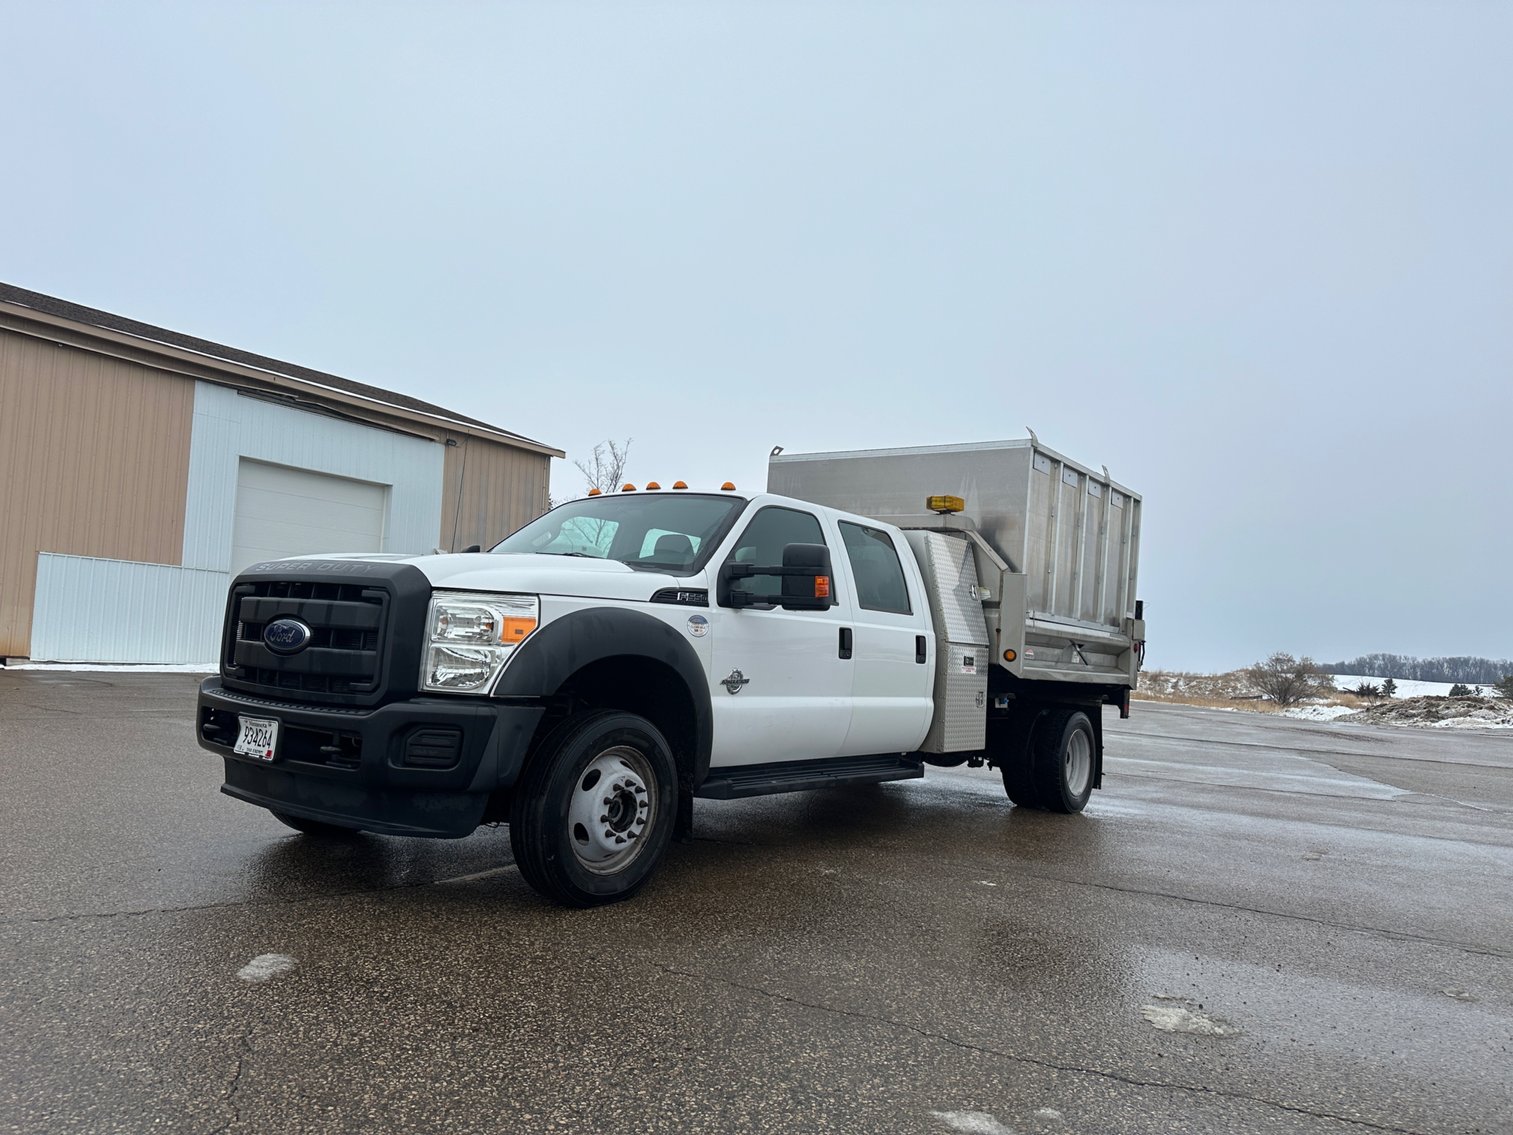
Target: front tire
594, 810
1063, 756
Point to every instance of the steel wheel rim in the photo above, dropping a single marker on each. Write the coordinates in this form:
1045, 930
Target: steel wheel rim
1079, 762
612, 809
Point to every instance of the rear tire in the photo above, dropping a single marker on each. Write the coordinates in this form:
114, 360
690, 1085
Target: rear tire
314, 827
594, 810
1013, 759
1063, 757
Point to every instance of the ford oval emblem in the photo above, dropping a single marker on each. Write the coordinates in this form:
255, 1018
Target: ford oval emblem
287, 636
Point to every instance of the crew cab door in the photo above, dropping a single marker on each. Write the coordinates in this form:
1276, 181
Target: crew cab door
781, 690
893, 672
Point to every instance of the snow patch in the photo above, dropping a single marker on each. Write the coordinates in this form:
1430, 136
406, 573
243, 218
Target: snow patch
1179, 1015
972, 1122
1318, 712
264, 967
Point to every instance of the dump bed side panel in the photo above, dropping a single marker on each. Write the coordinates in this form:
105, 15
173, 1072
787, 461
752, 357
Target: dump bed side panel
1071, 535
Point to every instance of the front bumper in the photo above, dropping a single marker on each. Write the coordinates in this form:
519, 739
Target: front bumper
422, 767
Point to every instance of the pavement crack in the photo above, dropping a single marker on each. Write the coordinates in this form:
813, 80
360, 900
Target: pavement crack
1396, 935
1039, 1062
243, 1050
104, 915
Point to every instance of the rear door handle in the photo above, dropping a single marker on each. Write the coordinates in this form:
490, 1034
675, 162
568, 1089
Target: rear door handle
919, 648
845, 642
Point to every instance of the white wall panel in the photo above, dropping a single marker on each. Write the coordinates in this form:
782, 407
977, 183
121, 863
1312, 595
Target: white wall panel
97, 610
229, 426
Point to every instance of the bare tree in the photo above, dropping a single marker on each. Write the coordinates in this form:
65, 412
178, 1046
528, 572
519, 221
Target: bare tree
605, 468
1287, 680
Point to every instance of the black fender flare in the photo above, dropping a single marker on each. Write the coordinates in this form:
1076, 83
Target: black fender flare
562, 647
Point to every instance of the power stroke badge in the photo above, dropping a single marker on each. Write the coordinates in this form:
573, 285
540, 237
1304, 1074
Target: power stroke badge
735, 683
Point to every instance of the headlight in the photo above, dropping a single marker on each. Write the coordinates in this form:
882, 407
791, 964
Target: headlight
469, 637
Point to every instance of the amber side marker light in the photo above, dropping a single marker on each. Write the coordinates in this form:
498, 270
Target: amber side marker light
822, 587
516, 628
945, 504
1009, 656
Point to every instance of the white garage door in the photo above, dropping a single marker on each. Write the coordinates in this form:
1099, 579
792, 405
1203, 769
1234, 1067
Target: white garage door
293, 512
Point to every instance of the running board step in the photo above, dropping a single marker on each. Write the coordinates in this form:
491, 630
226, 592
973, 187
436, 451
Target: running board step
799, 776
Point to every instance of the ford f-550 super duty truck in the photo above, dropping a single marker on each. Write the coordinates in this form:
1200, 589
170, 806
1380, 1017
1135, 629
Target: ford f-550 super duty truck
587, 678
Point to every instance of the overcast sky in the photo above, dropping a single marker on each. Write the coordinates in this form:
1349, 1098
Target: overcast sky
1256, 258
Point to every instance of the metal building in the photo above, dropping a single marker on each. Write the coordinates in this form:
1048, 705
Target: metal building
140, 469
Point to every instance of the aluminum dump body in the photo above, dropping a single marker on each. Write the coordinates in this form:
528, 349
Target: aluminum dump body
1067, 538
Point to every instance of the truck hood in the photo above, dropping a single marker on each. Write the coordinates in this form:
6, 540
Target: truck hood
530, 574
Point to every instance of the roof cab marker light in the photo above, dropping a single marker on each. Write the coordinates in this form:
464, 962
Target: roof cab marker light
627, 487
596, 492
680, 484
728, 487
652, 486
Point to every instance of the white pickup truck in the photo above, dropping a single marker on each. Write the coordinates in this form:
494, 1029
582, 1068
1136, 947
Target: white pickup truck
612, 660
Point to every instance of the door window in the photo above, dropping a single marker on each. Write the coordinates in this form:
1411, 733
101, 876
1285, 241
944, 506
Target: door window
879, 576
763, 542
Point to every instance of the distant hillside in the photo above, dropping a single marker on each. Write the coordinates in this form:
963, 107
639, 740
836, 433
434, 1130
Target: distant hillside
1463, 669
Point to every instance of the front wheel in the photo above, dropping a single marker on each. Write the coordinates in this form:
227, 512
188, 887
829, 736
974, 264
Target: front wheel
593, 812
1063, 755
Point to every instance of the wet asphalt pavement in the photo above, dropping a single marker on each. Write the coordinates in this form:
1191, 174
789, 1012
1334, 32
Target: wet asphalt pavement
1258, 925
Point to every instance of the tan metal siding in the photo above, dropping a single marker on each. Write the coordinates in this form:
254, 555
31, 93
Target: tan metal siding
501, 488
94, 460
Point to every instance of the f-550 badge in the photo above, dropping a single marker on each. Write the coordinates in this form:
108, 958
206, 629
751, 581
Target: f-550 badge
734, 683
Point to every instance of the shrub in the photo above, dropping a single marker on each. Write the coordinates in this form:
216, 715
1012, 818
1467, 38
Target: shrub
1460, 690
1287, 680
1505, 687
1368, 690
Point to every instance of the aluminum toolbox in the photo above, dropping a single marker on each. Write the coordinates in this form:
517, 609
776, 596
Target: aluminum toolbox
1066, 540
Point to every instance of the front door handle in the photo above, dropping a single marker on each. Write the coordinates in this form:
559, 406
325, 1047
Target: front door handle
845, 642
919, 648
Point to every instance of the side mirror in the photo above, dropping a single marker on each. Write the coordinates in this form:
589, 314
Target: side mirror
804, 578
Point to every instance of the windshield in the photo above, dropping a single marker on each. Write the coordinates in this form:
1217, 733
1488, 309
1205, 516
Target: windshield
655, 533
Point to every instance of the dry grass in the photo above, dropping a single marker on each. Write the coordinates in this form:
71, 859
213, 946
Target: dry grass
1206, 701
1223, 691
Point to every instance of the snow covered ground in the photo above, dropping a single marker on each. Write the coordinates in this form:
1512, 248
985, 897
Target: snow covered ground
1406, 687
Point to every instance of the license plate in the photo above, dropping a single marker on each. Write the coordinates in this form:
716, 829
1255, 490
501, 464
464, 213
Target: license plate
257, 737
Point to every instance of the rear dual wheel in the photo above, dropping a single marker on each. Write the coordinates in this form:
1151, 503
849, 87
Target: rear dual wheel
1054, 769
